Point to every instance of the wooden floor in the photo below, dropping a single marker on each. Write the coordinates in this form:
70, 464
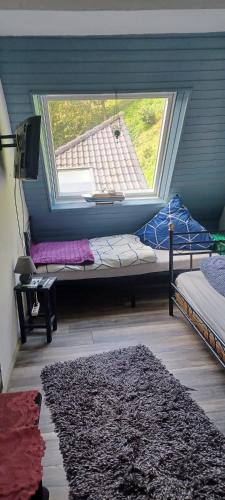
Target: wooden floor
103, 323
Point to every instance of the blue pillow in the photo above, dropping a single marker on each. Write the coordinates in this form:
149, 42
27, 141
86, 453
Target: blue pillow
155, 233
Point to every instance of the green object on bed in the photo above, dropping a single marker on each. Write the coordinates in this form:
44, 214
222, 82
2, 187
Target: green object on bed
219, 246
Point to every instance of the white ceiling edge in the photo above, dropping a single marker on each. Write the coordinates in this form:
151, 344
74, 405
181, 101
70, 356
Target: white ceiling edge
71, 23
126, 5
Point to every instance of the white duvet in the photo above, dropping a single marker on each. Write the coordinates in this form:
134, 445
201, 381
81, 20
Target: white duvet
111, 252
120, 251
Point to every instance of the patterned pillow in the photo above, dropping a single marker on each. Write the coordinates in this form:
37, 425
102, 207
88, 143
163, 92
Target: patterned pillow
156, 234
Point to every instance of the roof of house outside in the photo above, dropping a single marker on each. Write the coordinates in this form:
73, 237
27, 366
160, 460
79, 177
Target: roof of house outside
114, 163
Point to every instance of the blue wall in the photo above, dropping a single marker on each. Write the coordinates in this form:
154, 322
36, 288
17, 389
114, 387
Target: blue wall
45, 65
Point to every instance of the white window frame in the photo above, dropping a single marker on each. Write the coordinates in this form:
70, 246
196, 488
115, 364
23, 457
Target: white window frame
164, 166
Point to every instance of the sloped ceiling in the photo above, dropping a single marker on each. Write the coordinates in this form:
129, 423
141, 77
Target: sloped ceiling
110, 17
111, 4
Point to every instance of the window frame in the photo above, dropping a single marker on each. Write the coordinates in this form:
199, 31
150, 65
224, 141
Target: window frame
168, 144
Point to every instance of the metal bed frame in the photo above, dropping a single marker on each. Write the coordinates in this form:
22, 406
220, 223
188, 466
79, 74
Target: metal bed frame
211, 338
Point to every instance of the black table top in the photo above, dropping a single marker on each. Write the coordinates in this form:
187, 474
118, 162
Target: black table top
46, 284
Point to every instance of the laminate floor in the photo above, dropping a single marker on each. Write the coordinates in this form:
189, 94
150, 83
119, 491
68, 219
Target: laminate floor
101, 323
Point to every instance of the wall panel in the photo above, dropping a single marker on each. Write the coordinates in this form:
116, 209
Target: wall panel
129, 63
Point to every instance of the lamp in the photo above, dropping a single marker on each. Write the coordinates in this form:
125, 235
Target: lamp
25, 267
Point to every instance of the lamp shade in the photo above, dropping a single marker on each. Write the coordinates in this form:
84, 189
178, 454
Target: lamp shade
25, 265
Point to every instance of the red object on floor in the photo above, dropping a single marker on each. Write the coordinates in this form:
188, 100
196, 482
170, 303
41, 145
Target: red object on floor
18, 409
21, 451
21, 445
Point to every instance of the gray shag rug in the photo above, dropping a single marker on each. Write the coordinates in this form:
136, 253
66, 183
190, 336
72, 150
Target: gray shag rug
129, 430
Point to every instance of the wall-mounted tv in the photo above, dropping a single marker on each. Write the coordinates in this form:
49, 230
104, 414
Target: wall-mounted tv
27, 143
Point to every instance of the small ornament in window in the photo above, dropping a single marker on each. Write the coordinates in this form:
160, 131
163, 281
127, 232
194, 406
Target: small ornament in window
116, 133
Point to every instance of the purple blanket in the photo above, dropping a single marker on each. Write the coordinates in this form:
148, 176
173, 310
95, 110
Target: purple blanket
62, 252
213, 269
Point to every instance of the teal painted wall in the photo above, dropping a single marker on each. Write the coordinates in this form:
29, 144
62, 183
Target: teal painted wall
109, 64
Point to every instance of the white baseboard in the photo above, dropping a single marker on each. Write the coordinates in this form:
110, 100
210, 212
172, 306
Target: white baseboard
12, 364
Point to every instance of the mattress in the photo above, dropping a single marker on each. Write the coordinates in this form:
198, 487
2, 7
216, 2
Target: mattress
122, 255
204, 299
112, 252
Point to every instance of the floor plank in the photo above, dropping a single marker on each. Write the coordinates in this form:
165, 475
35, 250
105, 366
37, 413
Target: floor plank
102, 326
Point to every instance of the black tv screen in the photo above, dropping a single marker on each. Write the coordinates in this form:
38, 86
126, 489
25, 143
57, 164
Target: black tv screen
26, 156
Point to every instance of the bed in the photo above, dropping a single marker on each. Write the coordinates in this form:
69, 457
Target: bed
117, 256
200, 304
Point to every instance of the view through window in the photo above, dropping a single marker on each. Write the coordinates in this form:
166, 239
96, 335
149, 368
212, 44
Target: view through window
108, 144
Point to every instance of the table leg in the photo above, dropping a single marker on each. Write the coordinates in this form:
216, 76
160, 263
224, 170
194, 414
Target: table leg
21, 316
29, 298
54, 307
42, 493
48, 315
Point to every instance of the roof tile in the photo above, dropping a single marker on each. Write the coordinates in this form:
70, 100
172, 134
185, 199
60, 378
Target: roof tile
114, 164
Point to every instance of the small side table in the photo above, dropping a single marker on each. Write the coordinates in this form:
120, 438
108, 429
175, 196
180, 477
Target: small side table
47, 295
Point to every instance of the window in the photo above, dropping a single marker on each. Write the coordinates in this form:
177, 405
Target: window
105, 143
75, 180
